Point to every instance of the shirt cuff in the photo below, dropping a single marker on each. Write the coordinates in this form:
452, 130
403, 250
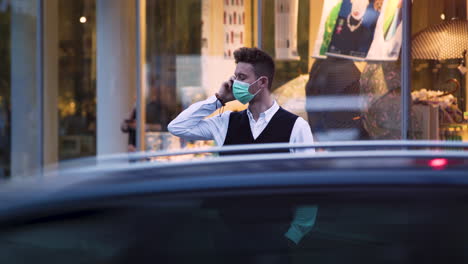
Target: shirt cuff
213, 100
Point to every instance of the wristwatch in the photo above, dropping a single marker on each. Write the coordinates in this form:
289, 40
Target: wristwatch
219, 99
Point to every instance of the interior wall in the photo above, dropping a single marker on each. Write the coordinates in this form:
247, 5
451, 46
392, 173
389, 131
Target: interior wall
314, 23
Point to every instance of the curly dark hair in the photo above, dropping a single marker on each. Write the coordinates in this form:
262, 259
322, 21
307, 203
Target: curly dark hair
262, 63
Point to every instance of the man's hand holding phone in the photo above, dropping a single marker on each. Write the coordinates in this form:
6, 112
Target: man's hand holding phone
225, 91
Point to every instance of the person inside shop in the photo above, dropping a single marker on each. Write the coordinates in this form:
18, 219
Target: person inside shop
264, 121
153, 120
129, 126
153, 111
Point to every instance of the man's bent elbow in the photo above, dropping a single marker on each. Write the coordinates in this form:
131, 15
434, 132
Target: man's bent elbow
172, 128
175, 130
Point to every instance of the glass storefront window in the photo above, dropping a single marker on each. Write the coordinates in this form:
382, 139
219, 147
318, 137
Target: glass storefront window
20, 121
5, 109
440, 30
338, 65
77, 78
335, 74
189, 53
337, 62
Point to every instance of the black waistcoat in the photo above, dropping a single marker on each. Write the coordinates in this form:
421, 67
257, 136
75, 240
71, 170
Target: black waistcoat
278, 130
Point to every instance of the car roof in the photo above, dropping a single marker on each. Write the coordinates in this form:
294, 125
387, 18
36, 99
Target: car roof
344, 167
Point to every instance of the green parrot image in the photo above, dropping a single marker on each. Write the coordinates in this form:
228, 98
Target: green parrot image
329, 28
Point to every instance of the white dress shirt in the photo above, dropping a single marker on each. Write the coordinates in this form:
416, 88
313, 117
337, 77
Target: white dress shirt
192, 125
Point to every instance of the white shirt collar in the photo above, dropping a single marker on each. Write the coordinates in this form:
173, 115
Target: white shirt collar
268, 114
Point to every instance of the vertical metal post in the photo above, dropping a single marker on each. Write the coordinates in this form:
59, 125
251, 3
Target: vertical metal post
259, 23
140, 87
40, 82
406, 70
138, 74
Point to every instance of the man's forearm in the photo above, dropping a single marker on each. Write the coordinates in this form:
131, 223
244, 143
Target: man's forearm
189, 124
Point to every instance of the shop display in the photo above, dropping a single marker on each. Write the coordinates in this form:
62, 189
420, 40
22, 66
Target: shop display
165, 141
354, 29
291, 95
360, 30
161, 141
447, 40
330, 11
380, 85
388, 33
234, 26
457, 132
447, 103
286, 12
428, 120
205, 27
331, 80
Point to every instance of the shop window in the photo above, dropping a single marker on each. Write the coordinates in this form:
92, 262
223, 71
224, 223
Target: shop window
20, 125
77, 78
362, 40
5, 90
439, 69
346, 94
173, 59
182, 72
338, 61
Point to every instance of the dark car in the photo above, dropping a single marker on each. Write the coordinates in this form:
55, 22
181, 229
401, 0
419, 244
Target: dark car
368, 206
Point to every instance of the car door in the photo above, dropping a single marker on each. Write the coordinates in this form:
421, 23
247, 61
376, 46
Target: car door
312, 224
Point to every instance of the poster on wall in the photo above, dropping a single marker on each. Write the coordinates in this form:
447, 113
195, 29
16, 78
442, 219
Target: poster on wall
234, 26
330, 11
205, 26
286, 12
354, 29
388, 33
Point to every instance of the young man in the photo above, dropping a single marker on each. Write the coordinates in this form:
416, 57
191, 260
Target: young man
263, 122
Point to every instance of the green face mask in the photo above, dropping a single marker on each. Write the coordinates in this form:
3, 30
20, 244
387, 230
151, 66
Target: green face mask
241, 92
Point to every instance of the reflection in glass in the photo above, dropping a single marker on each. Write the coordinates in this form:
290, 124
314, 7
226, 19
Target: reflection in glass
5, 71
173, 61
333, 79
25, 142
438, 83
77, 79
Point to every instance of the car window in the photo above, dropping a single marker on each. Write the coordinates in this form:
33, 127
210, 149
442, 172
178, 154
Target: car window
254, 229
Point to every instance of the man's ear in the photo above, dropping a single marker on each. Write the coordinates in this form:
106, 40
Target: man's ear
264, 82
